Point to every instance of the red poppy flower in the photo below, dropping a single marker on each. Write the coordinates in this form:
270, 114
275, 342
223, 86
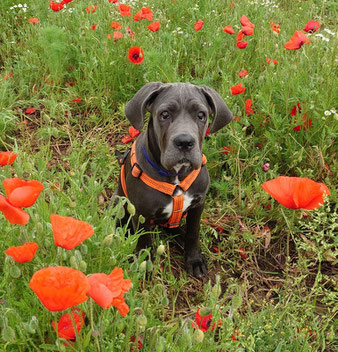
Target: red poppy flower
115, 25
124, 10
296, 41
248, 108
144, 14
77, 100
55, 6
117, 35
296, 192
33, 20
91, 8
93, 27
312, 26
237, 89
240, 36
243, 73
108, 290
13, 214
275, 27
65, 2
65, 328
133, 132
305, 122
24, 253
207, 132
130, 32
7, 158
7, 76
135, 55
113, 1
22, 193
245, 22
59, 287
242, 44
237, 118
203, 323
242, 253
275, 62
228, 149
68, 232
198, 25
155, 26
228, 29
30, 111
247, 30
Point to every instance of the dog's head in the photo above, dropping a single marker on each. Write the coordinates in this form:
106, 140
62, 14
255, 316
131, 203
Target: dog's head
179, 117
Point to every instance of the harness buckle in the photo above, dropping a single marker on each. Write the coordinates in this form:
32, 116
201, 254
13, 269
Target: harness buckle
136, 171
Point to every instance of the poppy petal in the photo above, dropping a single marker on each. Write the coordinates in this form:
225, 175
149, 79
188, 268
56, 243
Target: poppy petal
60, 288
13, 214
69, 232
25, 196
281, 189
7, 158
24, 253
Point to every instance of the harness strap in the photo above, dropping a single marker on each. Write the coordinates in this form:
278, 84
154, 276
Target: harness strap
163, 187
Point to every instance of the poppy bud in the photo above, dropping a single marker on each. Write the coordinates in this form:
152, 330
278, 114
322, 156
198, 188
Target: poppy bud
134, 267
34, 323
141, 219
72, 204
141, 321
15, 272
216, 290
8, 334
266, 167
236, 301
73, 262
160, 249
82, 266
84, 249
28, 328
131, 209
78, 255
39, 227
204, 311
149, 266
165, 301
120, 212
143, 266
198, 335
72, 173
108, 240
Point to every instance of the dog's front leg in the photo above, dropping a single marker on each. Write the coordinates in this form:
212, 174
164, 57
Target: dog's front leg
195, 262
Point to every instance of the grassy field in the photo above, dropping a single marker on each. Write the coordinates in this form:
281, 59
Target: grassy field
272, 283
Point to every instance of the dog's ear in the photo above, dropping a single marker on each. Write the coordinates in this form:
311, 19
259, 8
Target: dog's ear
136, 107
222, 115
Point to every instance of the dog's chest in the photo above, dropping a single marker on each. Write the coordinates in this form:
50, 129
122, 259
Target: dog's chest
189, 200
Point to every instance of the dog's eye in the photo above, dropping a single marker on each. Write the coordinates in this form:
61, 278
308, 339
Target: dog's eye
164, 115
201, 116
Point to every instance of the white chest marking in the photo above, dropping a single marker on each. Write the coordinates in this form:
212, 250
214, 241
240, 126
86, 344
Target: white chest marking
186, 203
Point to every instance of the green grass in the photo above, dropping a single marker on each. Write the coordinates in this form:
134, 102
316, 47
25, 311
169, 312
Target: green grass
282, 296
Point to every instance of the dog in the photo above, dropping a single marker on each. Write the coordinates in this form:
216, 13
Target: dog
164, 175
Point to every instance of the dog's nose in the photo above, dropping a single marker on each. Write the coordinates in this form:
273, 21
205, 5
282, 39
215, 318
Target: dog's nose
184, 142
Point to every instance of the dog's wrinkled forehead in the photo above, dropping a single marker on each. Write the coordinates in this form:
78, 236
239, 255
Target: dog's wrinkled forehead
178, 96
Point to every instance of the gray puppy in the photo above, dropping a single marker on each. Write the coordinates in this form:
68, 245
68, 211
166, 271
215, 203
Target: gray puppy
164, 175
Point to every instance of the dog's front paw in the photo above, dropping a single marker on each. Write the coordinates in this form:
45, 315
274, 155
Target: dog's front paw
196, 265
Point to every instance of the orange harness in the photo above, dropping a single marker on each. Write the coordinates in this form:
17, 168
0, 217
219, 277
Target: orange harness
163, 187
